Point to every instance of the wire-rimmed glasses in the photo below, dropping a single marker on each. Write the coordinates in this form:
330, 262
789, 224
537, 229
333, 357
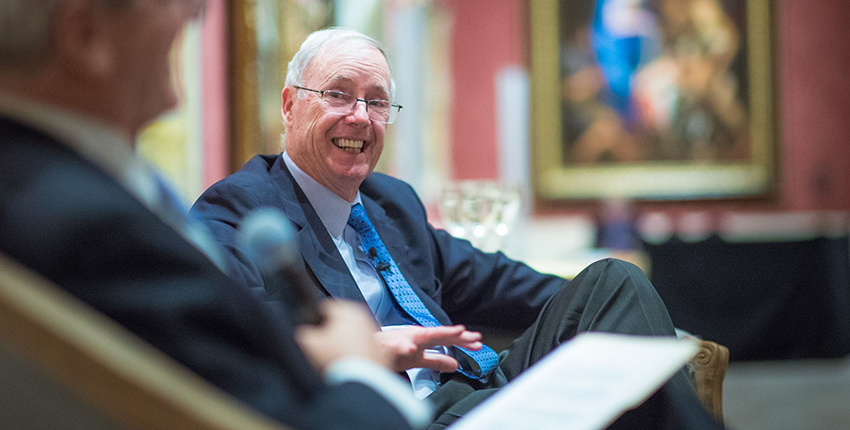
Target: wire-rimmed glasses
340, 103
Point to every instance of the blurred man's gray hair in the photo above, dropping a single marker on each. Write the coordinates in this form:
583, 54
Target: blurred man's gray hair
26, 31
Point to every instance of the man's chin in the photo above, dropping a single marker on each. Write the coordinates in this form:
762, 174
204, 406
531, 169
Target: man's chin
354, 173
155, 111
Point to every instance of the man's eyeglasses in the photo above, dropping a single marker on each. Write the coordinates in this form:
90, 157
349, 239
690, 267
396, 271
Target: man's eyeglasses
340, 103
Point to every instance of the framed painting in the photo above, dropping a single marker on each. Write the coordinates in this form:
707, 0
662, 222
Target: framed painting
652, 99
266, 34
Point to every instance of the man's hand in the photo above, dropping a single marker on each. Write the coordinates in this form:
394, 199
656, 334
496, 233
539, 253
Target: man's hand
406, 346
347, 330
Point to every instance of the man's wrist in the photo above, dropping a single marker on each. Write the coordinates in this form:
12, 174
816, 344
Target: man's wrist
389, 385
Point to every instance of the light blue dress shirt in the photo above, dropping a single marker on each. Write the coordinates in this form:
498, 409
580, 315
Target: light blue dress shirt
333, 210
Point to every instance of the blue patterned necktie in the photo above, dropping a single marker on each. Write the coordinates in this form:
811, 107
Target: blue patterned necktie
474, 364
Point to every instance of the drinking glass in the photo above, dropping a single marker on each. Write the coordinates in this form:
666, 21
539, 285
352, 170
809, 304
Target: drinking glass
483, 212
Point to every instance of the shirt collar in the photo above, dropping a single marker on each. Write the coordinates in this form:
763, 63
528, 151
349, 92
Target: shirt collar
102, 144
332, 209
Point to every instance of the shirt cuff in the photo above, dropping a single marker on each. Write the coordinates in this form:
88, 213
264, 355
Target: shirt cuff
386, 383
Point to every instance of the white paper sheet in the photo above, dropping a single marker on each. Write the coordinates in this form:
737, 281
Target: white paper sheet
585, 384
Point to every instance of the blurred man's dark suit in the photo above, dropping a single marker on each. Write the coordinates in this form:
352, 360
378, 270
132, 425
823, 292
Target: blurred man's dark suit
71, 222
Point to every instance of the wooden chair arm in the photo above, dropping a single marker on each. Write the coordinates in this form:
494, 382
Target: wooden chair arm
108, 369
709, 366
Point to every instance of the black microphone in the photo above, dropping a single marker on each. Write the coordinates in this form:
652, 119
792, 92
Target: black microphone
268, 239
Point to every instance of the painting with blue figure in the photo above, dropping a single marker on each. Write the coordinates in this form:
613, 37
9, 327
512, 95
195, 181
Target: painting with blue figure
653, 80
624, 36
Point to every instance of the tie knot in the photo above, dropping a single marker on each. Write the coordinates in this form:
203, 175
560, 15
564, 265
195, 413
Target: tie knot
358, 219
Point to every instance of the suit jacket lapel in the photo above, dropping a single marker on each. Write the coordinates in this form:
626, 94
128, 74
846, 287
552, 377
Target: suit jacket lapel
314, 243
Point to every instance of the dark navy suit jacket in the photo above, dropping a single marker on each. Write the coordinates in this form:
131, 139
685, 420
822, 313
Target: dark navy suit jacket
457, 282
68, 220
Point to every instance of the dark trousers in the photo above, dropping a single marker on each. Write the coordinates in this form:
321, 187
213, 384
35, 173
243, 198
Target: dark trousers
608, 296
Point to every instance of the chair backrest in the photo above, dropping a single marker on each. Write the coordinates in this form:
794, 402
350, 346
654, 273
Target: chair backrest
90, 372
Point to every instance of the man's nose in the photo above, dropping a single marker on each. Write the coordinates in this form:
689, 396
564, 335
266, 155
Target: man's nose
359, 113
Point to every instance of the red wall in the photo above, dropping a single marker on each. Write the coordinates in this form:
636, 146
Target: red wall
813, 95
215, 92
487, 35
815, 103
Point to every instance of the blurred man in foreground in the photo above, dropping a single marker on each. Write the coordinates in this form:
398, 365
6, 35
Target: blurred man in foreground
78, 80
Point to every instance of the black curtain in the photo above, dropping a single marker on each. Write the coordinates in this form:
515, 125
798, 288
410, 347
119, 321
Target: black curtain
763, 300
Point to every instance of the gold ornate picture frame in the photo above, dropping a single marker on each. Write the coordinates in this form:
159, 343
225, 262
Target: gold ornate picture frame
266, 34
652, 99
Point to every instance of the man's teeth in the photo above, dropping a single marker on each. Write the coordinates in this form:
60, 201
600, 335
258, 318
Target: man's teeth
349, 145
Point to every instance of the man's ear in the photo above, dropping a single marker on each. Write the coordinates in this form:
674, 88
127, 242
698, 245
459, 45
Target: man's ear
287, 99
82, 40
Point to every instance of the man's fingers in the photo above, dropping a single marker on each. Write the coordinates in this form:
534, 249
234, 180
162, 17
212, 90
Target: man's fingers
401, 348
453, 335
471, 336
472, 346
439, 362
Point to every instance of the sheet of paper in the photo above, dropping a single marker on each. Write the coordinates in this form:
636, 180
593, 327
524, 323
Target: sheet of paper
585, 384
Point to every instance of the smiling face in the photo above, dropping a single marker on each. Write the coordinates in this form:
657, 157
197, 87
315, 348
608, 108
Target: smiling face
338, 151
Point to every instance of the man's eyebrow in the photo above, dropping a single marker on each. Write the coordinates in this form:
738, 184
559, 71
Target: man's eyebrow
348, 79
339, 78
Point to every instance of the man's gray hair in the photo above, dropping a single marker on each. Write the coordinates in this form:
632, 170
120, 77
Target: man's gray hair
329, 36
